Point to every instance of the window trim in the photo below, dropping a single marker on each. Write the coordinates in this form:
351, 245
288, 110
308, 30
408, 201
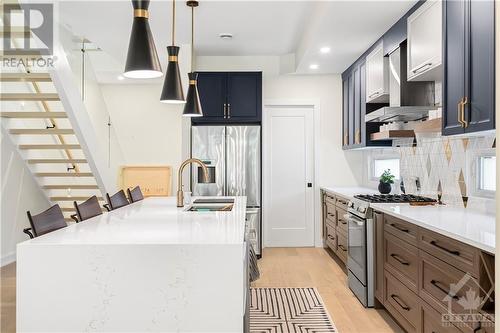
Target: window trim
474, 182
371, 166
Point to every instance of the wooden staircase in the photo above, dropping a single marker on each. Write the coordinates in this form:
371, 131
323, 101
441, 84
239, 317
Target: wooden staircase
37, 123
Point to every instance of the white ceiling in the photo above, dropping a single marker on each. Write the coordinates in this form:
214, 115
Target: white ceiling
259, 28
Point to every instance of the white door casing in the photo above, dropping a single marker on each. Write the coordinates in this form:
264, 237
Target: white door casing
288, 168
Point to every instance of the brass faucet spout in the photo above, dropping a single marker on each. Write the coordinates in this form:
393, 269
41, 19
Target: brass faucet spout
180, 192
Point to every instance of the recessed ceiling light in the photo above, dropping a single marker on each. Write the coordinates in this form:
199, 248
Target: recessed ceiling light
226, 36
324, 49
120, 77
313, 66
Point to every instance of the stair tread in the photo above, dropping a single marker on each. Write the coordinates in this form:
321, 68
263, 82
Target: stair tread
33, 114
29, 97
73, 187
64, 174
22, 77
56, 160
50, 146
73, 198
49, 131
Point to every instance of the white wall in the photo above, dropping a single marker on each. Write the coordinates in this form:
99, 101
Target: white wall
20, 193
149, 132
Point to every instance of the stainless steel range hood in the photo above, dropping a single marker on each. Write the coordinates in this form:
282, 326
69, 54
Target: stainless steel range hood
408, 101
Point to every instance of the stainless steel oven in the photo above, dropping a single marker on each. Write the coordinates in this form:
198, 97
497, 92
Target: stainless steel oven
360, 254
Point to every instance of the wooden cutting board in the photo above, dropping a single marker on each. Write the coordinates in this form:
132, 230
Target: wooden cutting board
155, 181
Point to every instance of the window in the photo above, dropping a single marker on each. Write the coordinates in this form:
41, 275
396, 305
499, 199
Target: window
487, 173
380, 165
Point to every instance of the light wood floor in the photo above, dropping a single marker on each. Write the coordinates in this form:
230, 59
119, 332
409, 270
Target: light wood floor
313, 267
280, 267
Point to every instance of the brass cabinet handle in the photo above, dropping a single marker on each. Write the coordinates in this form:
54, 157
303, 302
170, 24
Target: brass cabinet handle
459, 113
395, 226
342, 247
462, 112
358, 136
346, 139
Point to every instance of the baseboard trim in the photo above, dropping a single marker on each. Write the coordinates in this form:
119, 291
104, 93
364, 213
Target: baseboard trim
8, 259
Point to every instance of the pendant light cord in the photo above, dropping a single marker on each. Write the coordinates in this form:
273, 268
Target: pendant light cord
173, 22
192, 39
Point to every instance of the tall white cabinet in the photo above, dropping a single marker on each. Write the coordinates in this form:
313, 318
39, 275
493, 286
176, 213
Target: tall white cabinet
425, 42
377, 76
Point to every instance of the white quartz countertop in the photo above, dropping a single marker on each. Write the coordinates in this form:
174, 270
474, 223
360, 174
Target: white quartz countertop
349, 192
465, 225
154, 221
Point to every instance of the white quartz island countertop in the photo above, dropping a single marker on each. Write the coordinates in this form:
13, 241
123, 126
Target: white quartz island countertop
463, 224
146, 267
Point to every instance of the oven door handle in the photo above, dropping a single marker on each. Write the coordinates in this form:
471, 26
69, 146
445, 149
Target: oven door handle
357, 220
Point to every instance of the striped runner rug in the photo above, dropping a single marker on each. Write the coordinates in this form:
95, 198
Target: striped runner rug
288, 310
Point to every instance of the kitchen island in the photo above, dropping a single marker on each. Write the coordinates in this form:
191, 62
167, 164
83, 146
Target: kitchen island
146, 267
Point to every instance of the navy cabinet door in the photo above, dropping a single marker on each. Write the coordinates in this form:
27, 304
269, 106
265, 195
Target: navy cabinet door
345, 113
480, 109
357, 105
362, 92
244, 96
212, 90
351, 109
454, 65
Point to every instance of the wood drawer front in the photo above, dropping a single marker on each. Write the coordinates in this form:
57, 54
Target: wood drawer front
435, 280
331, 213
329, 198
342, 225
402, 303
331, 237
342, 203
432, 321
401, 229
401, 259
460, 255
342, 247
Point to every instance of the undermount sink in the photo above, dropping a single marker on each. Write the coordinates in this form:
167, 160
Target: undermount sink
210, 208
213, 201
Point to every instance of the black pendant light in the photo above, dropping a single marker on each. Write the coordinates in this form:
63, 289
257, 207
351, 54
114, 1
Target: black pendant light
172, 87
193, 105
142, 58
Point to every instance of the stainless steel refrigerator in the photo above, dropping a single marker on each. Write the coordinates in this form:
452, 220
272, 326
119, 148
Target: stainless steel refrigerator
233, 155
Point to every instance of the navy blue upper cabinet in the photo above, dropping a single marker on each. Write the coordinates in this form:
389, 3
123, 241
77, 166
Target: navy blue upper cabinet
212, 91
230, 97
244, 96
469, 66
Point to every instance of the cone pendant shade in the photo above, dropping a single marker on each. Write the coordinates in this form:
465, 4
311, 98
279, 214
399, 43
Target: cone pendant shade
172, 87
142, 58
192, 108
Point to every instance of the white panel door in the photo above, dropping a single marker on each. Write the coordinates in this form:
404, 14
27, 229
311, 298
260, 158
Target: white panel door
289, 167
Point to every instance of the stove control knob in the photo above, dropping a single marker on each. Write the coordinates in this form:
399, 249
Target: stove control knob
361, 209
350, 204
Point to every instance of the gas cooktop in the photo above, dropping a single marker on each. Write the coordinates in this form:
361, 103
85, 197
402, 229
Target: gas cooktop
393, 198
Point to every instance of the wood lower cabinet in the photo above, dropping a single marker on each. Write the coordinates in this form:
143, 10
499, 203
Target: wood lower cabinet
429, 280
378, 222
401, 303
334, 225
401, 259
